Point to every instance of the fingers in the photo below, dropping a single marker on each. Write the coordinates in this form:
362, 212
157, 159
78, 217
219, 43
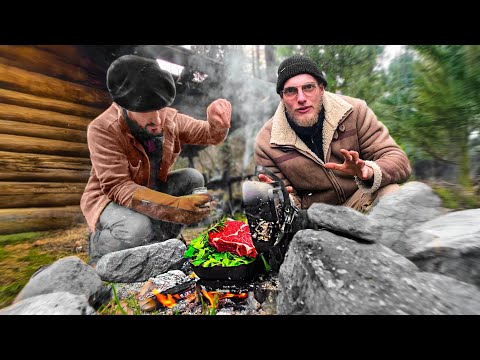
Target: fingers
346, 154
289, 189
332, 166
264, 178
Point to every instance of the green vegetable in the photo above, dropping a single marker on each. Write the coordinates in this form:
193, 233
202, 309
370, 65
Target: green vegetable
202, 253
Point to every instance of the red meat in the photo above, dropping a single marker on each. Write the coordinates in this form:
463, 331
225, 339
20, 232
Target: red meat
235, 238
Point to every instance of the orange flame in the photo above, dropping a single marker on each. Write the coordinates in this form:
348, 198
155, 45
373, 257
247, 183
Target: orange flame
215, 296
169, 300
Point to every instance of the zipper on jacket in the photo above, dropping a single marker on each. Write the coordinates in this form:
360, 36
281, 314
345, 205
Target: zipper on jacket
329, 173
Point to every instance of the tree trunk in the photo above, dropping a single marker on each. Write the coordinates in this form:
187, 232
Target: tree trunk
39, 194
40, 61
43, 117
26, 144
41, 131
270, 63
39, 219
464, 177
13, 78
37, 102
36, 167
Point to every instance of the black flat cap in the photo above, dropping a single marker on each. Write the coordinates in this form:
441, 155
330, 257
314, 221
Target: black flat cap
139, 84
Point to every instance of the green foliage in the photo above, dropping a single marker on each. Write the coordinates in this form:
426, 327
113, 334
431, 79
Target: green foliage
4, 253
350, 69
432, 103
457, 197
210, 309
202, 253
10, 291
31, 262
21, 237
37, 259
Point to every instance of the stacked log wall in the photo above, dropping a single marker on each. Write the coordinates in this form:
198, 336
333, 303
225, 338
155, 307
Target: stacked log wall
48, 96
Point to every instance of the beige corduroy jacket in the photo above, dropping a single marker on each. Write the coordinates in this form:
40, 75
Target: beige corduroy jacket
120, 164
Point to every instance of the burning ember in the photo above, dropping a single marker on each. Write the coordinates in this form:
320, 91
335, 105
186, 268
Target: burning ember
175, 292
198, 294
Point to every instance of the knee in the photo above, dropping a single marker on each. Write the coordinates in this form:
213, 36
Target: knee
387, 189
195, 176
137, 231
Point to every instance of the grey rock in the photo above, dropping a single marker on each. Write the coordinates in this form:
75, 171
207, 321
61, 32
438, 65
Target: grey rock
413, 204
449, 245
326, 274
142, 262
68, 274
56, 303
345, 220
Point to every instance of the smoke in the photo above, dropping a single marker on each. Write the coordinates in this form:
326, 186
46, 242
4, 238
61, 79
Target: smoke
253, 100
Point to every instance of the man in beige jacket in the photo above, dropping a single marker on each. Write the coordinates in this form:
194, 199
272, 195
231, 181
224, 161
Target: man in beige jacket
133, 197
327, 147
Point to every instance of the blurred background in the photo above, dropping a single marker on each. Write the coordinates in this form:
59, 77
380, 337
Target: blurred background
427, 95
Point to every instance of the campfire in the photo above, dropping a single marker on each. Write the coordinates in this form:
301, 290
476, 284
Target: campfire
175, 292
221, 274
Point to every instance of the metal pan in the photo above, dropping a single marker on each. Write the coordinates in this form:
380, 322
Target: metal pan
244, 272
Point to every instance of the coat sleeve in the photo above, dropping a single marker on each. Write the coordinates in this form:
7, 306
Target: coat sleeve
199, 132
111, 166
389, 162
262, 154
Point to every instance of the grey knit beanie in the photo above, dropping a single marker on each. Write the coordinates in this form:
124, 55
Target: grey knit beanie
295, 65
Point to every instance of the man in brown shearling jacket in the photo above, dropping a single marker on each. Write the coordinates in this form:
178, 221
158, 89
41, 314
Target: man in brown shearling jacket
133, 197
327, 147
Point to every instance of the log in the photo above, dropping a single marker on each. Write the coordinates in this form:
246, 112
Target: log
42, 131
73, 54
13, 78
43, 117
39, 194
44, 62
13, 221
27, 144
37, 102
36, 167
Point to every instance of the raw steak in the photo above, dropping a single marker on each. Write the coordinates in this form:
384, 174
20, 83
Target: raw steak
235, 238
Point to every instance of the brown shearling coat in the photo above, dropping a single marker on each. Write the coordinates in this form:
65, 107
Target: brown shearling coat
349, 124
120, 164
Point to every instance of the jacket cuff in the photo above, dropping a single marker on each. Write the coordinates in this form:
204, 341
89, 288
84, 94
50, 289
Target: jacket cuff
377, 179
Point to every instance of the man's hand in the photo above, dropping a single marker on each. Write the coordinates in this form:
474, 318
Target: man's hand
352, 165
195, 203
264, 178
219, 113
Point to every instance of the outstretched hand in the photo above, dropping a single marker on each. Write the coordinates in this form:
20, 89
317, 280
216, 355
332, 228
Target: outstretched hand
219, 113
352, 165
264, 178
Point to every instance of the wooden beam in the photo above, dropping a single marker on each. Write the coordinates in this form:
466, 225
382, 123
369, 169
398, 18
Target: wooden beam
73, 54
44, 62
42, 131
38, 102
39, 194
14, 221
27, 144
43, 117
181, 56
13, 78
36, 167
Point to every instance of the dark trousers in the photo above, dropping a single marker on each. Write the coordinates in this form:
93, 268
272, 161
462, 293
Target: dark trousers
120, 228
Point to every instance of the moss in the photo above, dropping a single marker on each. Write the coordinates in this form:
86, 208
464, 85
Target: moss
457, 197
21, 237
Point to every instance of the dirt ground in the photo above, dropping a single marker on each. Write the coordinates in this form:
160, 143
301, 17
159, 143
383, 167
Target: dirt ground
20, 260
